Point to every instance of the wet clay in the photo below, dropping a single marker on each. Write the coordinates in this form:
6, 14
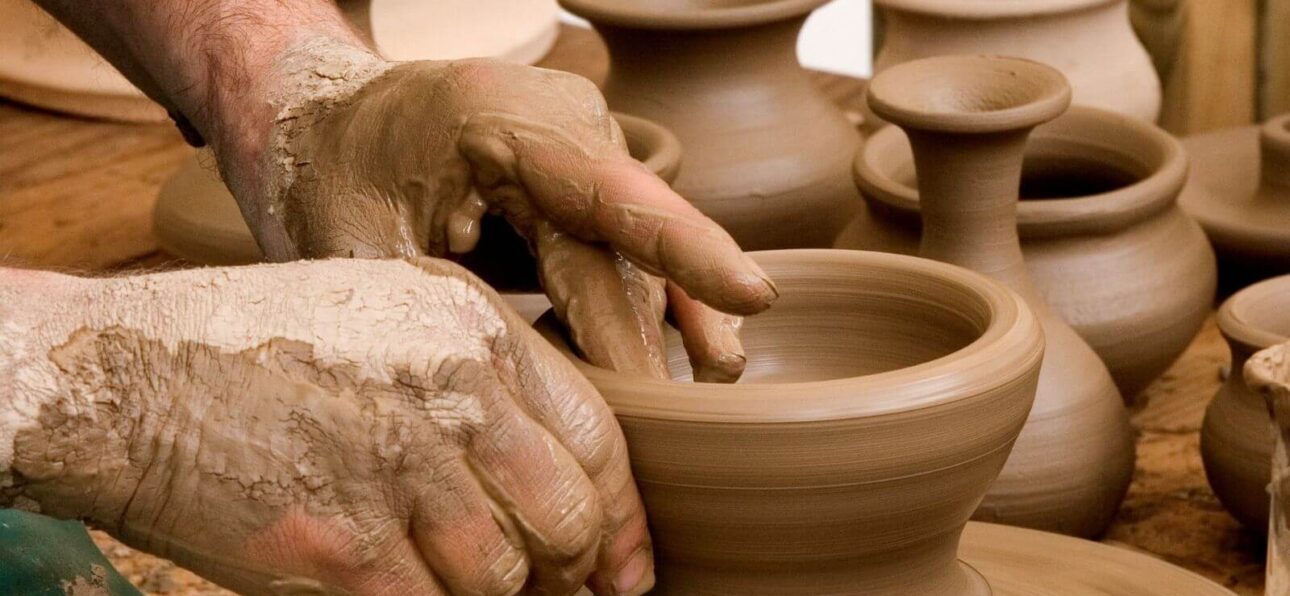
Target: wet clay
267, 426
766, 154
902, 381
1269, 373
1098, 209
967, 119
1236, 439
1239, 191
1090, 41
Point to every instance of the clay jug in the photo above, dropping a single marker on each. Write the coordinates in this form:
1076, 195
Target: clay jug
882, 395
968, 118
1239, 191
1269, 372
1236, 437
1098, 209
1089, 41
766, 154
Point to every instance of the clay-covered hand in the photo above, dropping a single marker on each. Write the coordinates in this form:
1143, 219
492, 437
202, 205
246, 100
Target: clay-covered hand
382, 159
338, 426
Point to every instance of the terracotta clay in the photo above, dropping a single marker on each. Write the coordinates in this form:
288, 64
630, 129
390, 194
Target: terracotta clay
1089, 41
1239, 191
1269, 372
1098, 211
44, 64
1236, 438
766, 154
968, 118
881, 397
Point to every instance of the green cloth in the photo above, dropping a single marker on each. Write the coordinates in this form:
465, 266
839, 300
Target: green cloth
40, 555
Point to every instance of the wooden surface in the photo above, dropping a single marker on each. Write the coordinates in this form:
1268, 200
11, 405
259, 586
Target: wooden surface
76, 194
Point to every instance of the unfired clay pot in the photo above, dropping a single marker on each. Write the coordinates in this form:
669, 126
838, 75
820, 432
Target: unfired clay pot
968, 118
44, 64
766, 154
1101, 232
1239, 191
1269, 372
1236, 438
882, 395
1089, 41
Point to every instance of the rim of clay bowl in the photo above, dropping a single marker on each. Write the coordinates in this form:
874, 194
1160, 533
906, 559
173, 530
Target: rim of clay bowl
663, 150
969, 93
655, 14
1248, 330
990, 9
1153, 150
1010, 343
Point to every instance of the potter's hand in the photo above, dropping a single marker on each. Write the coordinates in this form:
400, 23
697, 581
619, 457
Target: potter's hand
372, 427
375, 159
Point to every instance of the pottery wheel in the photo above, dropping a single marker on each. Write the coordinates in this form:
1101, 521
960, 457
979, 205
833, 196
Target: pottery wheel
1022, 562
1220, 191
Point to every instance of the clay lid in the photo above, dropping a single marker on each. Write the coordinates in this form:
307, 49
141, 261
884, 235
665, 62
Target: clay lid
1258, 316
969, 94
1090, 137
689, 14
990, 9
811, 358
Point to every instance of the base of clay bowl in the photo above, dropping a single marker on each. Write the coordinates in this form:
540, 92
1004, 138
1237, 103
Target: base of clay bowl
1022, 562
197, 219
1252, 242
882, 396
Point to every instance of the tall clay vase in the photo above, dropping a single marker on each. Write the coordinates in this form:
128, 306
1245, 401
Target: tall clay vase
1236, 437
766, 154
968, 118
1090, 41
1269, 372
1103, 236
882, 395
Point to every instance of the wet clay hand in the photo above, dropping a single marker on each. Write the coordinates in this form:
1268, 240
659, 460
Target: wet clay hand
387, 159
341, 426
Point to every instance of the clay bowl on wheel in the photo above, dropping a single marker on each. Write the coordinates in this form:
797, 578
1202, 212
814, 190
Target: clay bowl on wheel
882, 396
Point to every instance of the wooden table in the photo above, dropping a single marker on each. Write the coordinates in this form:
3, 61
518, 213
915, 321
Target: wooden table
78, 194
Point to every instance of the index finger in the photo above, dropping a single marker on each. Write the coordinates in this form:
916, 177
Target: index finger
609, 197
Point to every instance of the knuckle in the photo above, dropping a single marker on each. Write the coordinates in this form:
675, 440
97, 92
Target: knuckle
504, 574
576, 527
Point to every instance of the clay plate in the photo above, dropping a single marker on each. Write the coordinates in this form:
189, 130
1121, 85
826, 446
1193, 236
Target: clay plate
1022, 562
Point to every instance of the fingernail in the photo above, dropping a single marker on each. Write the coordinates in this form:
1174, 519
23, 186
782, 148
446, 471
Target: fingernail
761, 274
631, 578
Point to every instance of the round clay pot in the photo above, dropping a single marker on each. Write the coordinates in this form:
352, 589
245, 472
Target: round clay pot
1089, 41
1236, 437
882, 395
968, 119
1239, 191
44, 64
1269, 372
766, 154
1101, 232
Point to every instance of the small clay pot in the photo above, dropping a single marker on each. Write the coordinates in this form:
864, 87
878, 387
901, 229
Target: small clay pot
1236, 437
1269, 373
1089, 41
1101, 232
882, 395
767, 155
967, 119
1239, 191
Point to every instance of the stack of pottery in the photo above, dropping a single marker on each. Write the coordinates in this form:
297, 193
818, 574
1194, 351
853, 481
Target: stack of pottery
1101, 231
1269, 372
1089, 41
766, 154
44, 64
1237, 436
1239, 191
883, 394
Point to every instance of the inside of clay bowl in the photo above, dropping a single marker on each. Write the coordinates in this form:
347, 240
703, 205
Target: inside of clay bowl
689, 14
1258, 316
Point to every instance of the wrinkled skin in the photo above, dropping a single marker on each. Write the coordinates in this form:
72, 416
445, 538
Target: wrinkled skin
355, 426
410, 162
